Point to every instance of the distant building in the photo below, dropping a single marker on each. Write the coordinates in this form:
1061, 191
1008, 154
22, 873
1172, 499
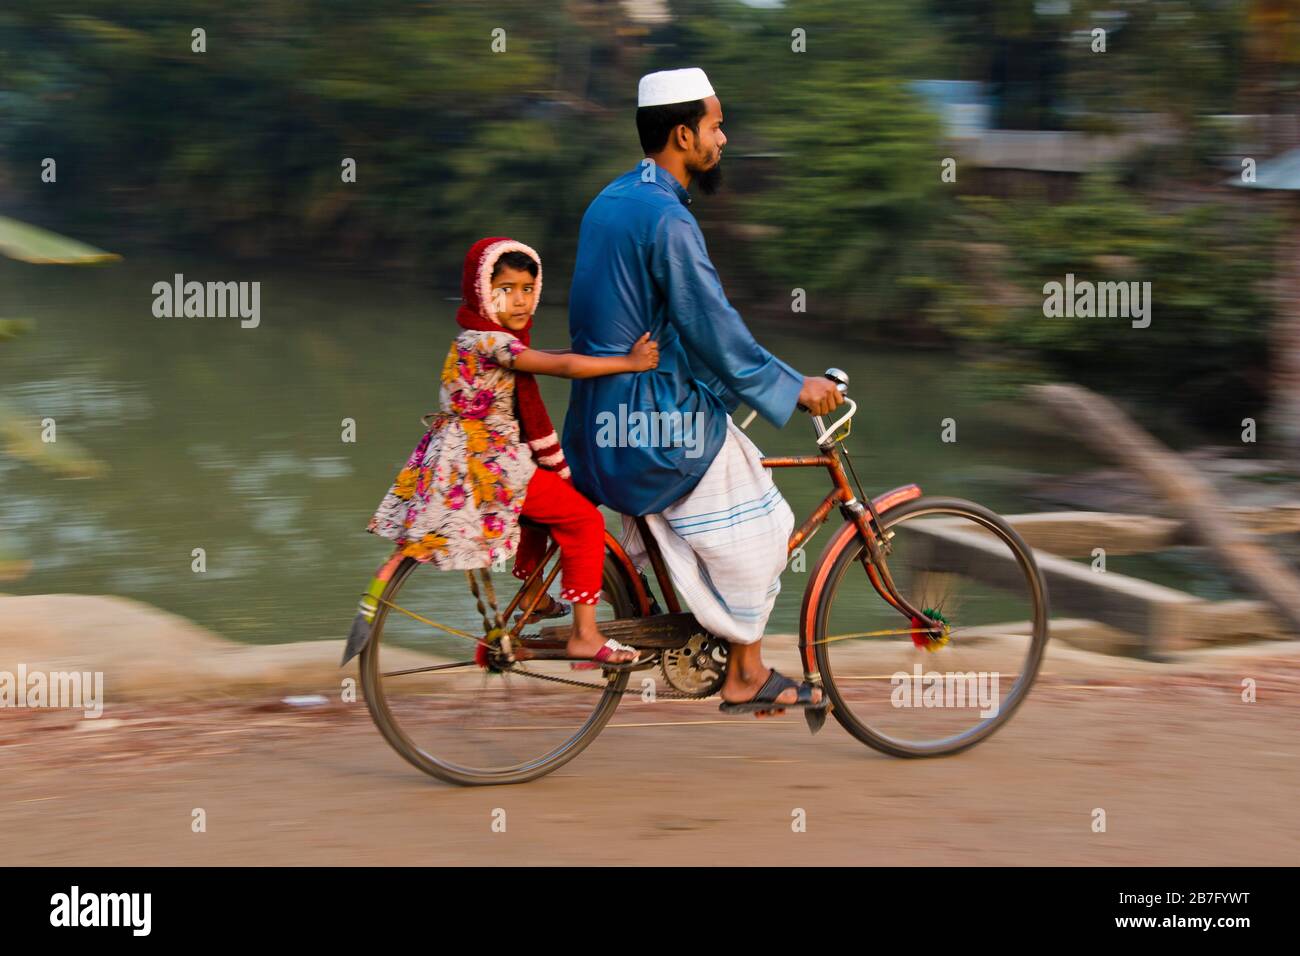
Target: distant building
1012, 161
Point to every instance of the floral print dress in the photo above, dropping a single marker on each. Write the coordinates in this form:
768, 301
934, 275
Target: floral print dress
456, 503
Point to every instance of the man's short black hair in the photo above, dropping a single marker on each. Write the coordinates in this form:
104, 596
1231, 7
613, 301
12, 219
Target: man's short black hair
655, 123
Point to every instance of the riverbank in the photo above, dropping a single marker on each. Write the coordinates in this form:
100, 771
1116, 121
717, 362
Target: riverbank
147, 654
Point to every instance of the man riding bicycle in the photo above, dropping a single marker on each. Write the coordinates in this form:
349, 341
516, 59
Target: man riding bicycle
712, 507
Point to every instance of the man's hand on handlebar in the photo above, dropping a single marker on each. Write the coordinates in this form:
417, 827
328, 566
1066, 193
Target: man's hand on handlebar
819, 396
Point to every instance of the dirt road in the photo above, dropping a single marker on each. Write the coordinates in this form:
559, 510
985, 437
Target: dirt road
1186, 772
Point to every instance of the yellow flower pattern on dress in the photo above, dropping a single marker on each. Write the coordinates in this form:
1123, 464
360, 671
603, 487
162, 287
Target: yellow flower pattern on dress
476, 437
404, 486
426, 547
482, 481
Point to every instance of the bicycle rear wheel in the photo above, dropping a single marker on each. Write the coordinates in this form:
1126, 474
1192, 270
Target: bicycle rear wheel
469, 724
916, 694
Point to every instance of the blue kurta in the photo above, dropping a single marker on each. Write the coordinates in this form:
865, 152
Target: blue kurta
642, 267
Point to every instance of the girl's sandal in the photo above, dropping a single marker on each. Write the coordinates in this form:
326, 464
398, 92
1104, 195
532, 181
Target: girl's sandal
608, 650
546, 611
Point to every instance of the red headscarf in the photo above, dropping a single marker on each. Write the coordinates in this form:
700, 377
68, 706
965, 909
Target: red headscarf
476, 312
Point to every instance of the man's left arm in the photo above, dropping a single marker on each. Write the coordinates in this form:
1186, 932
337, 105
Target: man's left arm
713, 331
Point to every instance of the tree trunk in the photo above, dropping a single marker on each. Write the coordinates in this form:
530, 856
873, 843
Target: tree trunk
1105, 427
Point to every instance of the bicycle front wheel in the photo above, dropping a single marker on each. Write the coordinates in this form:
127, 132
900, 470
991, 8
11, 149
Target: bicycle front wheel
913, 693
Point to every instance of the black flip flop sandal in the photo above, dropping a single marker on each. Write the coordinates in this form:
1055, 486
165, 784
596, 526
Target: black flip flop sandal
772, 688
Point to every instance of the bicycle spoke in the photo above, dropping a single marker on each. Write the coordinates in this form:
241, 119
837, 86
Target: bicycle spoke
431, 667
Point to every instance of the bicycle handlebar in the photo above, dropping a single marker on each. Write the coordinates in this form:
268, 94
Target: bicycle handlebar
841, 380
825, 435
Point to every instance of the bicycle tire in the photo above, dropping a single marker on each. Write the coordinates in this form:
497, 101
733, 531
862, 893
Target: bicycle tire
844, 550
619, 593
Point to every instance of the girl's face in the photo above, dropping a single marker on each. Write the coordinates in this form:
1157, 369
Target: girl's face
513, 296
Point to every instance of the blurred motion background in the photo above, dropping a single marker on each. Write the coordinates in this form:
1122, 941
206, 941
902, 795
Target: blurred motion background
224, 165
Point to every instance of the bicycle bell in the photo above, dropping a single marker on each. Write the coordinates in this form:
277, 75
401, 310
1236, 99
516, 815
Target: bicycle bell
839, 377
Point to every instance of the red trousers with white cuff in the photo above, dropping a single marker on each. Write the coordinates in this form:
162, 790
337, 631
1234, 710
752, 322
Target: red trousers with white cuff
577, 527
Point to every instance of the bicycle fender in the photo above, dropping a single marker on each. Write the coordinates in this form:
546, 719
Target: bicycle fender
634, 582
359, 635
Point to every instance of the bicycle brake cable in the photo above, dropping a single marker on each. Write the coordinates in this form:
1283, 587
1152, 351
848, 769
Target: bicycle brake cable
871, 506
862, 495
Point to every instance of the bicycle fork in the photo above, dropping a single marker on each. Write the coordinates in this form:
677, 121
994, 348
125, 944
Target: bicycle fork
877, 568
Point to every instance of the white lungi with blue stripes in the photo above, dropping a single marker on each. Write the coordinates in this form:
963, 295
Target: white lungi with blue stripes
725, 542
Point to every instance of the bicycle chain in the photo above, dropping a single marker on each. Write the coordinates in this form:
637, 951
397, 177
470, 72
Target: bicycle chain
668, 694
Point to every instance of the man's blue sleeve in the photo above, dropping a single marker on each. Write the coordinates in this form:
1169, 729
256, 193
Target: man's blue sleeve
713, 332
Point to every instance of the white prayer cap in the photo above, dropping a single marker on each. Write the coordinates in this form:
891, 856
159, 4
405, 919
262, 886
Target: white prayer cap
673, 86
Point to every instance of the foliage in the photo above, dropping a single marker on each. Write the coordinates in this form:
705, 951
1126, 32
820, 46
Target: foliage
855, 188
238, 150
1208, 264
240, 147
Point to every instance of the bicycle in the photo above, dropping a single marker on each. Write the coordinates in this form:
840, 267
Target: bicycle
935, 568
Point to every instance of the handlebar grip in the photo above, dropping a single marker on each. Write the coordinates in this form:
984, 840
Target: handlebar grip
841, 385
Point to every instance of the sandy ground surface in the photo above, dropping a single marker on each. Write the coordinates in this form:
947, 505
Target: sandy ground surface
1186, 772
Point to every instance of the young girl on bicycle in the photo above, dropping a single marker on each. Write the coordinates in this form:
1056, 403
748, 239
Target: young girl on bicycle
491, 455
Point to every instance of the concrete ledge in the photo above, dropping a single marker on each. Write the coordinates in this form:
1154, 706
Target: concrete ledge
145, 652
1074, 534
1132, 616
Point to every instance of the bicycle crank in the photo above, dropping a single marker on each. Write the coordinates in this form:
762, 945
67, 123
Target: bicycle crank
698, 667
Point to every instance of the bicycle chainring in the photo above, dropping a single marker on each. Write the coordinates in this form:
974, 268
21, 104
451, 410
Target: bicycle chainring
698, 667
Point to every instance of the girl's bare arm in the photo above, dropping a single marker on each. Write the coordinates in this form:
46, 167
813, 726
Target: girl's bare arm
644, 355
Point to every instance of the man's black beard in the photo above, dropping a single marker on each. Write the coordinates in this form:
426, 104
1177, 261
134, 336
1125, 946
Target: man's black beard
710, 179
